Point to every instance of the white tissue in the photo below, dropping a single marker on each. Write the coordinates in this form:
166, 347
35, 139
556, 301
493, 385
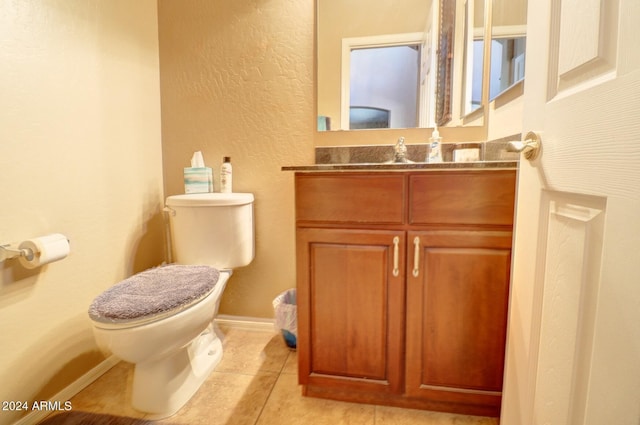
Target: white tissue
197, 161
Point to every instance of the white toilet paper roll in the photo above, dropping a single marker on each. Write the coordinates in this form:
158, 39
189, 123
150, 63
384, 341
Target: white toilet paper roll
46, 249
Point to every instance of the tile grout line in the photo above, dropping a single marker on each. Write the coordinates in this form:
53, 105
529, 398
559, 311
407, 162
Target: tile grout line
266, 400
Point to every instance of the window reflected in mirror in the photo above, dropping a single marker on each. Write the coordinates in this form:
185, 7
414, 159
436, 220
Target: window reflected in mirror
473, 56
384, 86
507, 63
362, 117
508, 42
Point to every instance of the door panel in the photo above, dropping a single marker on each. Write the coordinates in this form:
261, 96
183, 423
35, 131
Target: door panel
574, 234
351, 307
582, 51
456, 315
452, 346
348, 322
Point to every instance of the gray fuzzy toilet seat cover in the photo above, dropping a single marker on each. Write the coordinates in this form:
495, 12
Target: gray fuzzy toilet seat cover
154, 291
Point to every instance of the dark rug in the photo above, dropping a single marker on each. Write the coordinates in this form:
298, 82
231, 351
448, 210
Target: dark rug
86, 418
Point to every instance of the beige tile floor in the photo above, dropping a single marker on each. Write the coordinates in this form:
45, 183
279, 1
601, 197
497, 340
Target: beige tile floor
255, 383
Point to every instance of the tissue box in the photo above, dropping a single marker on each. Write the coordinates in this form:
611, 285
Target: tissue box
198, 180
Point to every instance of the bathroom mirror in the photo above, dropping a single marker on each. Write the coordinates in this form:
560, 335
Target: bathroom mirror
473, 56
508, 42
376, 24
356, 36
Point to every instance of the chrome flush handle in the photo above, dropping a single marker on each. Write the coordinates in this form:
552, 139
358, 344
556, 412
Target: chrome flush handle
169, 211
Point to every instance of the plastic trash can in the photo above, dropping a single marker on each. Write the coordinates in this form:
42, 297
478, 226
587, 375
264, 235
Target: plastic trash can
286, 321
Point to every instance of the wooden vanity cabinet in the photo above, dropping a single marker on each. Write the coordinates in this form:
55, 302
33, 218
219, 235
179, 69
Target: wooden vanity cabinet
403, 282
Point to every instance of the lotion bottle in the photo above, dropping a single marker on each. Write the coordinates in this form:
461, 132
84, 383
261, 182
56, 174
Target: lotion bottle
434, 153
226, 175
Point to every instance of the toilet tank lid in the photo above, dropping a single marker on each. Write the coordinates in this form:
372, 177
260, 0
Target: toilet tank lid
209, 199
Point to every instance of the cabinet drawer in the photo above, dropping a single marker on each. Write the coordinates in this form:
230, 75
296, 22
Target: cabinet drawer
353, 198
476, 197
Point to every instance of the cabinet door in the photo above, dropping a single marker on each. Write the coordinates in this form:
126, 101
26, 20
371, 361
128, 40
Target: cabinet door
456, 315
351, 309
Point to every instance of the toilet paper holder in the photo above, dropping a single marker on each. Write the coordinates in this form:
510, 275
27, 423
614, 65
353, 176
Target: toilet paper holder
38, 251
7, 252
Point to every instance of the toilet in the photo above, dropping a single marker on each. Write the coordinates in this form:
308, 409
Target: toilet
162, 319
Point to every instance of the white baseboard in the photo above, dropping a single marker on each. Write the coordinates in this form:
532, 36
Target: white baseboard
243, 322
71, 390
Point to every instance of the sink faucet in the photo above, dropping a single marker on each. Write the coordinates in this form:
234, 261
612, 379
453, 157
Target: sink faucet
400, 151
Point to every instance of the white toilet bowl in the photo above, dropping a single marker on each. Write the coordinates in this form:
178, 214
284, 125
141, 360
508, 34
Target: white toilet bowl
173, 352
171, 338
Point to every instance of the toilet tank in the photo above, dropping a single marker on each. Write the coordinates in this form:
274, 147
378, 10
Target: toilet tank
215, 229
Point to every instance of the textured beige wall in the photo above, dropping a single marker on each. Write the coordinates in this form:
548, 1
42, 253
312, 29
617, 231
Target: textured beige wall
80, 154
506, 113
509, 12
237, 80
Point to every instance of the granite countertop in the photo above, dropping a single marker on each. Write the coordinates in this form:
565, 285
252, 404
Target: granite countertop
404, 166
491, 155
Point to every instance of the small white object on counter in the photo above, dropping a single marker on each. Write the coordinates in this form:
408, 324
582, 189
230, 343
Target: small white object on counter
434, 153
466, 155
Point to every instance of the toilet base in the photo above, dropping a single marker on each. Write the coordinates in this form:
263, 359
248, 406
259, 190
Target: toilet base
162, 387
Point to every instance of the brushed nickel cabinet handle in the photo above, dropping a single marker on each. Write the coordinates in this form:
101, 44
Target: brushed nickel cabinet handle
396, 253
416, 256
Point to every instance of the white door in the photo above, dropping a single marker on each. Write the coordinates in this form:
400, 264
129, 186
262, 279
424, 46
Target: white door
573, 349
